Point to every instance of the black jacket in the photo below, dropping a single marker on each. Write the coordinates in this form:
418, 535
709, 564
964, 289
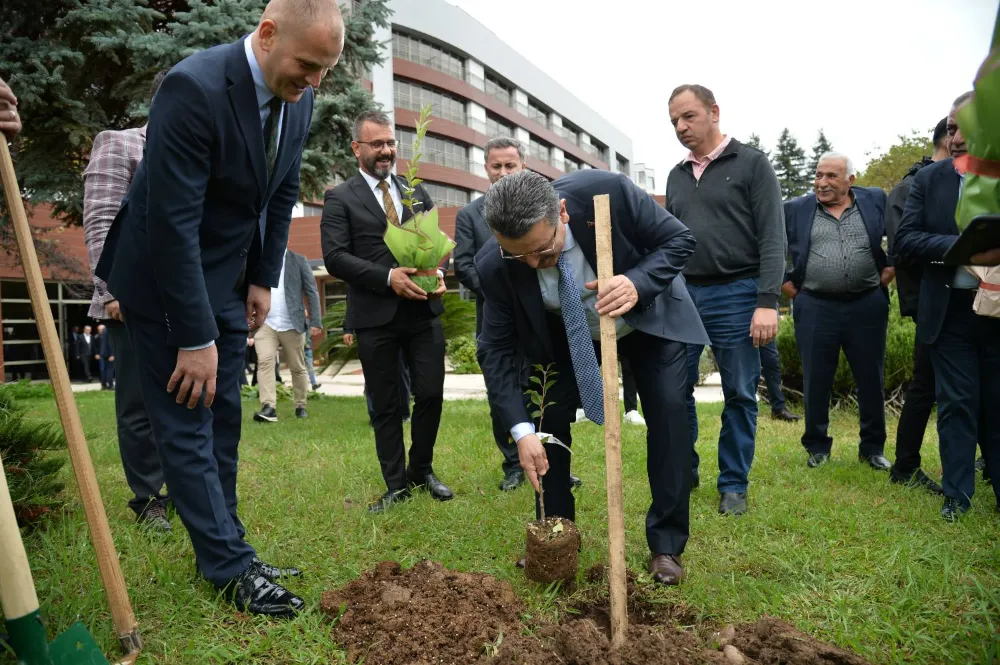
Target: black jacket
907, 272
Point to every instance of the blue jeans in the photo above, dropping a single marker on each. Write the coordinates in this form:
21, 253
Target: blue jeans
726, 311
309, 359
770, 362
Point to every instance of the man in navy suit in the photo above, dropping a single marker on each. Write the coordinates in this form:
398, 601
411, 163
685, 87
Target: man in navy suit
964, 347
838, 281
542, 302
194, 252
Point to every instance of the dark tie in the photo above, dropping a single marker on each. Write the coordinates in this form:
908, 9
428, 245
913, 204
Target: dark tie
271, 134
581, 345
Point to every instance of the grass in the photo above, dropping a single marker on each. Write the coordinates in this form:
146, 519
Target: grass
837, 551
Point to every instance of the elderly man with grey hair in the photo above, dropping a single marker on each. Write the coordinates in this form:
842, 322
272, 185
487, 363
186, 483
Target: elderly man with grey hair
543, 304
838, 280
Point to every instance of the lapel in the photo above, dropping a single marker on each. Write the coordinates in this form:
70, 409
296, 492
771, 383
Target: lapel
584, 234
243, 97
405, 214
280, 161
367, 197
807, 214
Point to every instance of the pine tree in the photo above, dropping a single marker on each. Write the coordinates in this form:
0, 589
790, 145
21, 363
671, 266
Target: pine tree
820, 148
754, 142
789, 162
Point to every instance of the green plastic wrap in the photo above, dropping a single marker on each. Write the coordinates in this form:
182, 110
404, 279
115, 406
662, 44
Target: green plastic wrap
420, 244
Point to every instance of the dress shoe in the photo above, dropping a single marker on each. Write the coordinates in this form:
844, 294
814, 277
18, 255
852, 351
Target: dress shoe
512, 481
430, 482
574, 482
816, 459
300, 412
877, 461
666, 569
952, 509
267, 414
732, 503
253, 593
695, 479
635, 418
918, 479
274, 573
389, 499
315, 386
786, 415
154, 518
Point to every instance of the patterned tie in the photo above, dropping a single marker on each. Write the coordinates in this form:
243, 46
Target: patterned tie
390, 209
271, 134
581, 346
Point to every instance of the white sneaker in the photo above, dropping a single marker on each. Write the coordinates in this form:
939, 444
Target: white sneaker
580, 415
635, 418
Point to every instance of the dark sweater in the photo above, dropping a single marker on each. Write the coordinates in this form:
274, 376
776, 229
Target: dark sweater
735, 214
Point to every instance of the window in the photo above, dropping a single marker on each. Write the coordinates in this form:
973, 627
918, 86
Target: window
435, 149
569, 165
414, 97
421, 52
496, 127
446, 196
538, 150
497, 90
623, 166
311, 210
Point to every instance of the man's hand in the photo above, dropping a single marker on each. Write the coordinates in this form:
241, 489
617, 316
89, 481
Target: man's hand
195, 373
441, 289
111, 358
313, 331
399, 280
990, 257
888, 274
348, 339
535, 463
789, 290
97, 357
258, 305
10, 120
617, 297
764, 326
113, 310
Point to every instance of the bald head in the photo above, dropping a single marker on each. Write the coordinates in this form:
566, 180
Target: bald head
296, 43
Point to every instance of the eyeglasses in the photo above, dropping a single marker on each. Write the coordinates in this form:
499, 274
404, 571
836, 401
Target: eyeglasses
539, 252
378, 145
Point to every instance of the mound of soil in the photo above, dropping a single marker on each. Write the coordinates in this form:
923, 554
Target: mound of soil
429, 614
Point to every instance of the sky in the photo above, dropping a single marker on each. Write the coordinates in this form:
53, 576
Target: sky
864, 72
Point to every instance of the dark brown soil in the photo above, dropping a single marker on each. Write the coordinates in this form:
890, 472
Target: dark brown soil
551, 550
428, 614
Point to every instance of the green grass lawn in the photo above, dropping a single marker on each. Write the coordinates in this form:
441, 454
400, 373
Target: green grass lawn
837, 551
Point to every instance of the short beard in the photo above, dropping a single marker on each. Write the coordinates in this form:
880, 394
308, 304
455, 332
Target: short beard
374, 170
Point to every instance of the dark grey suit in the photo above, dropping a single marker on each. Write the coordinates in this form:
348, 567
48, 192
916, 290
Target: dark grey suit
298, 280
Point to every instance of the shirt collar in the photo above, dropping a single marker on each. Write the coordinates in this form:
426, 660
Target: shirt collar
712, 156
264, 93
570, 241
373, 181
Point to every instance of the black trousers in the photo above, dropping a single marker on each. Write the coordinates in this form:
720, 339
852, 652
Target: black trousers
404, 392
919, 402
414, 331
628, 386
660, 370
505, 443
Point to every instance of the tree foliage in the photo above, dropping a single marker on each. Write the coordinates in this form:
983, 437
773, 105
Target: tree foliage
754, 142
821, 147
885, 170
789, 162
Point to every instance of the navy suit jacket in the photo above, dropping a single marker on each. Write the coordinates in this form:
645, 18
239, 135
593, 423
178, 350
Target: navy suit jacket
926, 232
650, 247
799, 215
190, 224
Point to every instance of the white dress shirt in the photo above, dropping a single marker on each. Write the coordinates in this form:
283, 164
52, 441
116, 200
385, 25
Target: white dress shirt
277, 317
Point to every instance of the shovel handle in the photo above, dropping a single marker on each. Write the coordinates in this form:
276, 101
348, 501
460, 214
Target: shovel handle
17, 589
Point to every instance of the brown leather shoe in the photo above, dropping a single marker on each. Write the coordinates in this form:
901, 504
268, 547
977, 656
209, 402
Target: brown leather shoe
666, 569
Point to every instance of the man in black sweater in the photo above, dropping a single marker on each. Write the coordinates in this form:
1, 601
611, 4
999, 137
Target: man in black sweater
729, 197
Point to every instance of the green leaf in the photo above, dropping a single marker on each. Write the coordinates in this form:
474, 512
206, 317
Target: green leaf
536, 400
536, 413
535, 379
550, 383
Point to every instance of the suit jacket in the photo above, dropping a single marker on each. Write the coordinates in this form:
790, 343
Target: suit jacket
114, 158
471, 233
190, 224
926, 232
106, 350
351, 230
85, 350
299, 280
799, 215
907, 272
650, 247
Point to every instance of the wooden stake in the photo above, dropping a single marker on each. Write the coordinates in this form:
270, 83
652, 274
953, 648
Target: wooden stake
612, 431
83, 468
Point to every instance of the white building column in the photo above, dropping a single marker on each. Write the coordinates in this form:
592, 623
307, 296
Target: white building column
476, 117
612, 159
522, 135
520, 100
477, 158
475, 75
557, 157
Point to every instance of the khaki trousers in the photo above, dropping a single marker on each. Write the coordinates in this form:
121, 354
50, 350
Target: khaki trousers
292, 344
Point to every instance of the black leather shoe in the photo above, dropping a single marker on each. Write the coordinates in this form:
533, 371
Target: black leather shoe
952, 510
389, 499
918, 479
877, 462
154, 518
267, 414
786, 415
733, 503
574, 482
300, 412
512, 481
817, 459
253, 593
274, 573
430, 482
695, 479
666, 569
315, 386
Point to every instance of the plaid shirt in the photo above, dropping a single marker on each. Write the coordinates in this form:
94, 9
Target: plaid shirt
113, 161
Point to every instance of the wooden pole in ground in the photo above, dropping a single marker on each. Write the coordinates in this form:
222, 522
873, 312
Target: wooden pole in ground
90, 493
612, 431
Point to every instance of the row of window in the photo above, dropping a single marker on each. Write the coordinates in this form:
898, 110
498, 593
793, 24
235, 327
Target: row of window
416, 50
415, 97
435, 150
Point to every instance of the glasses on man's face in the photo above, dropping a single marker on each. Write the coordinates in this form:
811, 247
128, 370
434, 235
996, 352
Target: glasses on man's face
538, 252
378, 145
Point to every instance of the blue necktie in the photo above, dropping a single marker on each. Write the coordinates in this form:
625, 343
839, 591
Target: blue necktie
581, 346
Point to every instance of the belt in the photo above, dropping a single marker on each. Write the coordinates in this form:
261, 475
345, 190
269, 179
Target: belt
840, 296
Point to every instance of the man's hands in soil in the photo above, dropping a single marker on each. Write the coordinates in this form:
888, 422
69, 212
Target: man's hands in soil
195, 373
535, 463
399, 280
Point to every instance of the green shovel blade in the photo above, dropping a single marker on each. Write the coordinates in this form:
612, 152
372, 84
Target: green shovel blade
75, 646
